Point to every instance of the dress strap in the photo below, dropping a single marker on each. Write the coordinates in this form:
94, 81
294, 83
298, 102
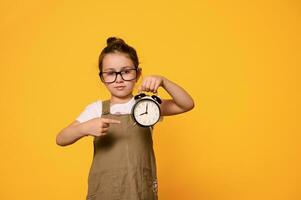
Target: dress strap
106, 107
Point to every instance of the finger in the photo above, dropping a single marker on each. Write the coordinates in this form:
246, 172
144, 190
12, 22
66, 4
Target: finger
111, 121
157, 85
103, 133
104, 130
105, 125
147, 85
152, 86
142, 88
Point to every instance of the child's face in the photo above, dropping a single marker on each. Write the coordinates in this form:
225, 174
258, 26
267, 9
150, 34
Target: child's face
116, 62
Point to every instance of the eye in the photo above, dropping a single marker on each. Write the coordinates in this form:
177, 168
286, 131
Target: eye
110, 73
126, 71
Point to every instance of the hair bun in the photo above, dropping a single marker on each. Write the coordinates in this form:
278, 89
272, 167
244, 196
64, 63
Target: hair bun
112, 40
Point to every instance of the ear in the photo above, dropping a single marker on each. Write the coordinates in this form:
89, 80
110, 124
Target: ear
99, 76
139, 72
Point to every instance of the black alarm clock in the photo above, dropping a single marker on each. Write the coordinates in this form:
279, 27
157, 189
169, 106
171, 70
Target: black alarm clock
146, 110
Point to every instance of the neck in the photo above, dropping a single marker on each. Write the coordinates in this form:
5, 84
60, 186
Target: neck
117, 100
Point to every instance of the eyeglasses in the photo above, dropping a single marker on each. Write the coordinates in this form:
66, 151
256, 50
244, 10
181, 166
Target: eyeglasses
111, 76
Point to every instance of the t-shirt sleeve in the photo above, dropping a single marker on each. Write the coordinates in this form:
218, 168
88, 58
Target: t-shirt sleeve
91, 111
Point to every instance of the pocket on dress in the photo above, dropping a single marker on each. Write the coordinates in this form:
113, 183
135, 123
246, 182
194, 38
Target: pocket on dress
150, 186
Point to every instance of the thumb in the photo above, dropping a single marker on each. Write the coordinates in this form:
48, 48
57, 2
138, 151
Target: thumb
139, 89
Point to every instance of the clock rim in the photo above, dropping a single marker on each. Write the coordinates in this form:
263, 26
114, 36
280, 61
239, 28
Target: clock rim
146, 99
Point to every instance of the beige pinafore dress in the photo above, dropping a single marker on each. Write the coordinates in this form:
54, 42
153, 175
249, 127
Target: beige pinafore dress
124, 165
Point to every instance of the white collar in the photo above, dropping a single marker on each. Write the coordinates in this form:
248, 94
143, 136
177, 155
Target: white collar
122, 108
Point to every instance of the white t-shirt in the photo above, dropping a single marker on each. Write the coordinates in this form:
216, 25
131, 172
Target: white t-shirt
94, 110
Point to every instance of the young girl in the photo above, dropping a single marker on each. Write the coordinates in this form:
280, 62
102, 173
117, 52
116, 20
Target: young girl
124, 165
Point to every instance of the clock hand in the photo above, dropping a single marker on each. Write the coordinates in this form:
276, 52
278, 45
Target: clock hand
145, 110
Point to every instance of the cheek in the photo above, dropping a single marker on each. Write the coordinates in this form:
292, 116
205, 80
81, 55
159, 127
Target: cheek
108, 86
131, 84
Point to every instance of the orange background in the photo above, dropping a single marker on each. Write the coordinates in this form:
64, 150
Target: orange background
240, 61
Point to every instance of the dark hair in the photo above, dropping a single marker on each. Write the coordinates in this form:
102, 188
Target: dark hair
115, 45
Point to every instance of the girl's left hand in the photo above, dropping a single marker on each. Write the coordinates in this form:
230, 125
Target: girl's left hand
151, 83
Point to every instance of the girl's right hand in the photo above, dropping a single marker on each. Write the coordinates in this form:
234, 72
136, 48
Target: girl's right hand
98, 126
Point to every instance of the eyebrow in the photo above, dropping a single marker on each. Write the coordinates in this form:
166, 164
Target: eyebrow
125, 67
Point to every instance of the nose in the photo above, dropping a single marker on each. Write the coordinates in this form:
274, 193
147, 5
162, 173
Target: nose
119, 78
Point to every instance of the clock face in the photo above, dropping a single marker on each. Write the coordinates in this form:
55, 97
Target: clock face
146, 112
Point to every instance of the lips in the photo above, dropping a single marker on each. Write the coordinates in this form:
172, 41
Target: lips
119, 87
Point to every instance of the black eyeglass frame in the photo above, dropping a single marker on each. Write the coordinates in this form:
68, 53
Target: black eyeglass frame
116, 74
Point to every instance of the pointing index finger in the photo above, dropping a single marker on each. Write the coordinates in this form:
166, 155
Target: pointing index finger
111, 121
